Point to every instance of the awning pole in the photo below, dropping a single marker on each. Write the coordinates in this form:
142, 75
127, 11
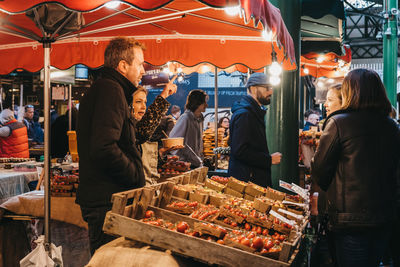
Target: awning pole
1, 97
70, 108
216, 113
21, 95
47, 239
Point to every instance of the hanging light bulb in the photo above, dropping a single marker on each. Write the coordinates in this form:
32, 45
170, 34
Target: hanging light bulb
320, 59
179, 69
180, 79
112, 4
306, 71
205, 68
274, 80
267, 35
275, 69
232, 11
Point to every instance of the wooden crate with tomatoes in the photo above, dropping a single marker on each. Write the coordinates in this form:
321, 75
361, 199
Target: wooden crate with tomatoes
147, 220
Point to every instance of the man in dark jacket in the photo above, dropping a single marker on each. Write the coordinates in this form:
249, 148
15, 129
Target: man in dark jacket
109, 160
250, 159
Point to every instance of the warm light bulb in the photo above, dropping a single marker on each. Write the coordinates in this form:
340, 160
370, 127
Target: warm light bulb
306, 71
179, 69
274, 80
205, 68
267, 35
112, 4
275, 68
320, 59
232, 11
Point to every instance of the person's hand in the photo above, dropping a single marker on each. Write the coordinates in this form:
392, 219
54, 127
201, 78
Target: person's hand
276, 158
170, 88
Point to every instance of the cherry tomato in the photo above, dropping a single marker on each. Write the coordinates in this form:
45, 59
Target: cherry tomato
247, 227
245, 242
182, 227
258, 242
220, 241
268, 244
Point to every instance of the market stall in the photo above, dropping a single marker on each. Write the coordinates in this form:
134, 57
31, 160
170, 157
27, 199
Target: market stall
218, 221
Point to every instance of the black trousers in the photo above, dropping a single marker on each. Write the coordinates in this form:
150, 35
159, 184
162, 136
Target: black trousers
95, 219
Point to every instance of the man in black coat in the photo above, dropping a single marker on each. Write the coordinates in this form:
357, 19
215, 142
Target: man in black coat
109, 161
250, 159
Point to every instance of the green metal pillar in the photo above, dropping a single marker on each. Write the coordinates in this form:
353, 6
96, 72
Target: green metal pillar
390, 49
282, 116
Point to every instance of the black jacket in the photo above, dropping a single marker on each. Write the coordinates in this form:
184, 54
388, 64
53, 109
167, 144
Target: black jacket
109, 160
356, 164
249, 158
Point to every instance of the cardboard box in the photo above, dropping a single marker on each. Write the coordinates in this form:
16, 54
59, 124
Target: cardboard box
236, 184
233, 192
214, 185
255, 190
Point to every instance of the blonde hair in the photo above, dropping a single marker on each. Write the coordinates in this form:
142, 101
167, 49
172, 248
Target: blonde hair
337, 88
140, 89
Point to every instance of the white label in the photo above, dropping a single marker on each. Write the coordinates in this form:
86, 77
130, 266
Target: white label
286, 185
295, 203
281, 218
297, 216
301, 191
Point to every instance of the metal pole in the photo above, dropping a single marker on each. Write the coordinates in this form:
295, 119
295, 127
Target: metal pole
47, 163
1, 97
216, 113
390, 50
21, 96
282, 115
70, 108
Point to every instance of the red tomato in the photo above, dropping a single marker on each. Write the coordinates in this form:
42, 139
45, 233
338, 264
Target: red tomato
268, 244
149, 214
257, 242
282, 237
245, 242
254, 229
259, 230
247, 227
182, 227
234, 224
251, 235
265, 232
220, 241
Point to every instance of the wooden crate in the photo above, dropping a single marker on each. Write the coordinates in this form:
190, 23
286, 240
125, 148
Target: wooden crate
122, 220
206, 251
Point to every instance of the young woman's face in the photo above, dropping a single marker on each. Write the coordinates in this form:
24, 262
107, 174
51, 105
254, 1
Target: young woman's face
139, 105
225, 123
333, 102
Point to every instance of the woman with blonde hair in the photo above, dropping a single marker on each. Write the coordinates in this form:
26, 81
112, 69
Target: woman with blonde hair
356, 164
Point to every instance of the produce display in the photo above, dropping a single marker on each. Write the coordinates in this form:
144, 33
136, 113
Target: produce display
64, 186
252, 239
209, 141
269, 224
15, 160
173, 167
219, 179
